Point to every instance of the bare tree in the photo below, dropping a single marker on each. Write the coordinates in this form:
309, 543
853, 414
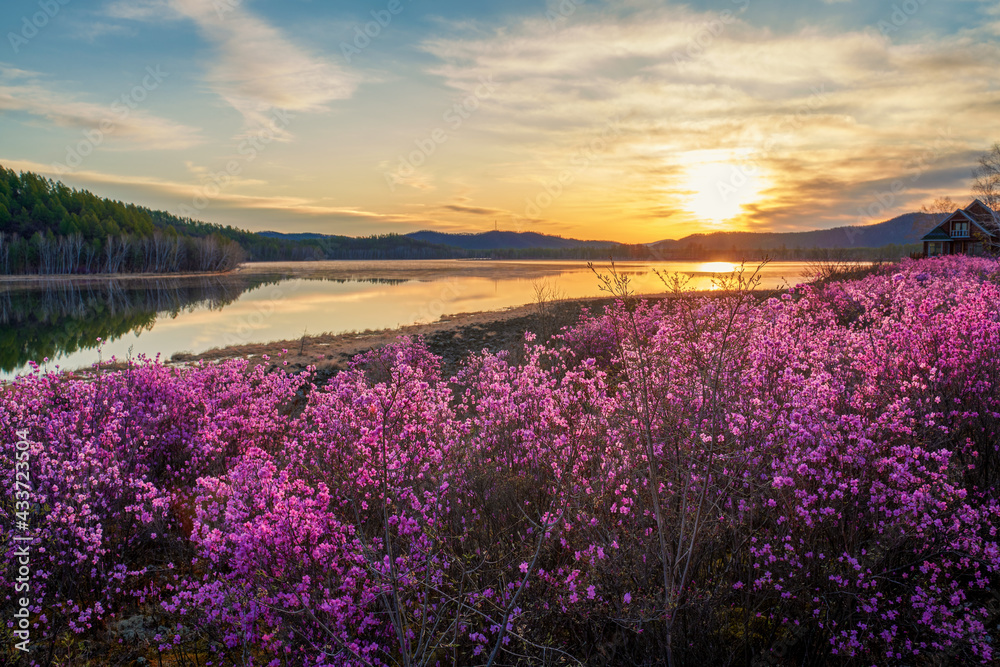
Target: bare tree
4, 254
986, 184
547, 294
986, 177
68, 250
940, 205
177, 255
109, 254
46, 248
208, 253
74, 252
90, 258
678, 459
116, 252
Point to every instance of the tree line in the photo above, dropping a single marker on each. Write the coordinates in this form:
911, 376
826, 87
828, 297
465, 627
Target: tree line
48, 228
48, 254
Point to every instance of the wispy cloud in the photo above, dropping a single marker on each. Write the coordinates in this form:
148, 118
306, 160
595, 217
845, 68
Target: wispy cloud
814, 111
179, 191
475, 210
91, 32
141, 10
28, 92
257, 69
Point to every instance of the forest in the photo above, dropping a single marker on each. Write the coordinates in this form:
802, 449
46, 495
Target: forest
48, 228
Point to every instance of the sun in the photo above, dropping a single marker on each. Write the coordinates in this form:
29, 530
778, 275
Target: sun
720, 190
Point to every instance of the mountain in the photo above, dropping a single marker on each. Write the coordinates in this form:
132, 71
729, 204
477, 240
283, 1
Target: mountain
296, 236
49, 228
313, 246
497, 240
901, 230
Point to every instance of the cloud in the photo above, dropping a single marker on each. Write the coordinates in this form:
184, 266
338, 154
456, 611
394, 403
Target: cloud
419, 179
184, 193
816, 111
257, 70
91, 32
141, 10
25, 92
475, 210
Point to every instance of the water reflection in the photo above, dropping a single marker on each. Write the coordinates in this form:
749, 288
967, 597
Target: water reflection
55, 318
52, 318
716, 267
63, 319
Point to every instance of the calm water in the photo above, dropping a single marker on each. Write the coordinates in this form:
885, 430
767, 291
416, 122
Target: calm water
62, 318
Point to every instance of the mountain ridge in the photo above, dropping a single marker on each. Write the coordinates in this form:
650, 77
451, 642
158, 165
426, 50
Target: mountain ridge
904, 229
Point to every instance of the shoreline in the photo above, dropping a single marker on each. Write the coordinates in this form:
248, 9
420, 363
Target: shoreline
38, 277
452, 337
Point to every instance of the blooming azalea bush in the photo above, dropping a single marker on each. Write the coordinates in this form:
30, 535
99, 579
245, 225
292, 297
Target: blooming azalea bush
804, 478
112, 462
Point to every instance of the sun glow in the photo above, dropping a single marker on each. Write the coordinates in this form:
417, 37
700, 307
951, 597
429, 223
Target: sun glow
716, 267
720, 190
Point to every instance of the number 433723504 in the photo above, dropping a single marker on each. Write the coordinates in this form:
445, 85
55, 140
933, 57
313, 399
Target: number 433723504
22, 480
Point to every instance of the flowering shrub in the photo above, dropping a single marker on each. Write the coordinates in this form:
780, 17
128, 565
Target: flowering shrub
112, 462
721, 479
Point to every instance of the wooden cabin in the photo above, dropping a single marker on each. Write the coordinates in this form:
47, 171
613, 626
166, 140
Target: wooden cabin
968, 231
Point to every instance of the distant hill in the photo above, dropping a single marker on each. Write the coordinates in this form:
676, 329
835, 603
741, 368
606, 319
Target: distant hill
497, 240
901, 230
313, 246
295, 236
891, 238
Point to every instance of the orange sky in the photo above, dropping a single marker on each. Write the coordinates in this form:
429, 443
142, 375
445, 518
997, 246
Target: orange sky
633, 121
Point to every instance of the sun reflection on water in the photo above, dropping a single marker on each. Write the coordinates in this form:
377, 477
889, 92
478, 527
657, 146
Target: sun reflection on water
716, 267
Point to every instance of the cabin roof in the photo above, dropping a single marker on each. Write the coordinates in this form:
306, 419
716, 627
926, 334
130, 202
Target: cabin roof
976, 203
938, 233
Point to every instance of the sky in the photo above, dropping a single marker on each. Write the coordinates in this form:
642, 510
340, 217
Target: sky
625, 120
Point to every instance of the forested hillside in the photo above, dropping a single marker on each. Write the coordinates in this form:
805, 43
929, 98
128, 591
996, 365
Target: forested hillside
48, 228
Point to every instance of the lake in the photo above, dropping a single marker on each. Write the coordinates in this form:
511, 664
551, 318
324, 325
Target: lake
62, 318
